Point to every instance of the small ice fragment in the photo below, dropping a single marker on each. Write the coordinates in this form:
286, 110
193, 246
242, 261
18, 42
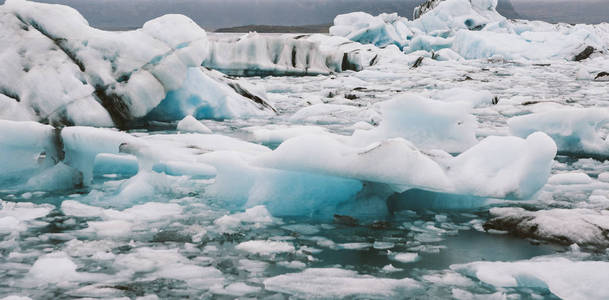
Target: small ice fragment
407, 257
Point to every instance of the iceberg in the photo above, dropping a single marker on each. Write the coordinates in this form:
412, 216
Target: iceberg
26, 148
85, 76
414, 134
428, 124
497, 167
381, 31
474, 30
577, 131
287, 55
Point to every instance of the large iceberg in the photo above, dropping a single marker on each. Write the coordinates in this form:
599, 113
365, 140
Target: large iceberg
59, 70
344, 169
257, 55
474, 30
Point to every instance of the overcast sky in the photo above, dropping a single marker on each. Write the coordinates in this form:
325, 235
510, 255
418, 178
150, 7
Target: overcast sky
212, 14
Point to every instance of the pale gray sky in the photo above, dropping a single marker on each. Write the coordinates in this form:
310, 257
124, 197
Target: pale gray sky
226, 13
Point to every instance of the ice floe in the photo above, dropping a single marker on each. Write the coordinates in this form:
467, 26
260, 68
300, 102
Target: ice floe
338, 283
555, 274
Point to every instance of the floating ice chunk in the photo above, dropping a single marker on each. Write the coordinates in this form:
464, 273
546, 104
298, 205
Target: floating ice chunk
570, 178
161, 263
326, 155
475, 98
25, 147
111, 228
14, 217
58, 177
179, 168
580, 226
146, 212
77, 209
604, 177
574, 130
279, 134
266, 248
13, 297
428, 124
390, 269
383, 30
554, 273
144, 185
117, 223
521, 170
257, 216
337, 283
256, 55
57, 267
405, 257
237, 289
190, 124
460, 294
54, 267
148, 260
101, 249
283, 193
115, 164
253, 266
383, 245
355, 246
446, 55
198, 276
293, 265
507, 167
24, 211
11, 224
82, 144
448, 278
321, 113
207, 94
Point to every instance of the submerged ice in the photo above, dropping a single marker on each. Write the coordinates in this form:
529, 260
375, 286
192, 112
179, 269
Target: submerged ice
459, 155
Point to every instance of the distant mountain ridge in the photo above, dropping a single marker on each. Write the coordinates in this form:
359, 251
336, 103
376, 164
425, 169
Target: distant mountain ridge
321, 28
